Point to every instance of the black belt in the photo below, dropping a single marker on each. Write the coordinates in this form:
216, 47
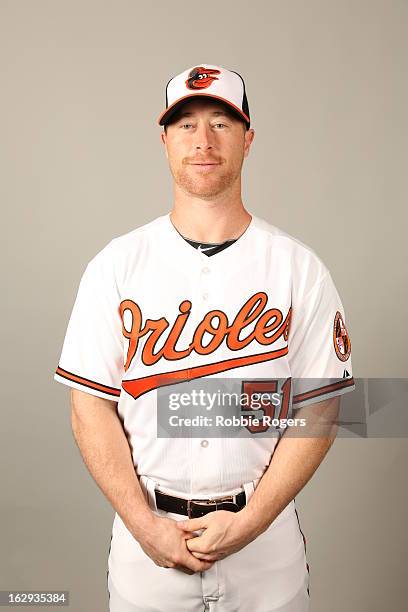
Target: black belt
194, 508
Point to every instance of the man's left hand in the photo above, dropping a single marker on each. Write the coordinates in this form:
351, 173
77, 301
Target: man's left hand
222, 533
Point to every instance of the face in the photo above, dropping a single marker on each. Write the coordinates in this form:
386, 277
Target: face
206, 145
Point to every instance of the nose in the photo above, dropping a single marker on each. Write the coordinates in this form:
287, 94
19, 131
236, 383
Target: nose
203, 137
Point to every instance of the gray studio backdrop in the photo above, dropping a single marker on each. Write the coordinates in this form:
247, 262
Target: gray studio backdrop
82, 86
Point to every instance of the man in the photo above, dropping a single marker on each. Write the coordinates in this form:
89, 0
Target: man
204, 291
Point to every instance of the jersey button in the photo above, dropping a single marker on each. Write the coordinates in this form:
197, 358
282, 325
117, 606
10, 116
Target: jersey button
205, 270
205, 296
204, 443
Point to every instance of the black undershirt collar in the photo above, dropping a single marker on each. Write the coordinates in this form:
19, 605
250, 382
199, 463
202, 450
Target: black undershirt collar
210, 248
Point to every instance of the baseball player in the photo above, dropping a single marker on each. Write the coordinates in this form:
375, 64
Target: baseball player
207, 290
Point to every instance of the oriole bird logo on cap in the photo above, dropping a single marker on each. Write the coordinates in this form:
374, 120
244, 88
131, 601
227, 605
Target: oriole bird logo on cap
201, 78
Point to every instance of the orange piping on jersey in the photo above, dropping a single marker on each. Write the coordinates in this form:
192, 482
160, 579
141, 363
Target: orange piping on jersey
87, 382
344, 382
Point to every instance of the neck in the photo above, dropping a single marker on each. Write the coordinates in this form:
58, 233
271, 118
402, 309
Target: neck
210, 221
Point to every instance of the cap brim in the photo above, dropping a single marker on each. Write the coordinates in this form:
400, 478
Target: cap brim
167, 114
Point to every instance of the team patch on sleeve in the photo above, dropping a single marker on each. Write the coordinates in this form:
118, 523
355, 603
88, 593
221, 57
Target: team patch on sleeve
341, 339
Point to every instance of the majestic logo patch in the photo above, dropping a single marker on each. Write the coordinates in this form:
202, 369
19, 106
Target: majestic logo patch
341, 339
201, 78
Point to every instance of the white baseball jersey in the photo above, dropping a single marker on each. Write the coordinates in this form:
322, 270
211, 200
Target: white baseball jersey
151, 308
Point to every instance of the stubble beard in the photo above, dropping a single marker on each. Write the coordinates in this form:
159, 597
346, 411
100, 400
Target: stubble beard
205, 186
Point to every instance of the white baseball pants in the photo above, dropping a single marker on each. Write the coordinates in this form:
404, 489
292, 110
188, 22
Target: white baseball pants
270, 574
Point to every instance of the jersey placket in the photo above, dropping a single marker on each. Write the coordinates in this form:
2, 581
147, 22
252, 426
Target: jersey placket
204, 451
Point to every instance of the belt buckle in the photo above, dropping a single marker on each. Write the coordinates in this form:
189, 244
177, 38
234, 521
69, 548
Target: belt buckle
210, 502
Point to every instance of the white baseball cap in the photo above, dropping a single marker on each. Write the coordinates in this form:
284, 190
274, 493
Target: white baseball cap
206, 81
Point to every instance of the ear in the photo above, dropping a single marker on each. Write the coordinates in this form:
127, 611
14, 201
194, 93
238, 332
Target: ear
163, 138
249, 136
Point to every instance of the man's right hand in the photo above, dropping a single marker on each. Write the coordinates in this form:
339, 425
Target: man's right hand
165, 544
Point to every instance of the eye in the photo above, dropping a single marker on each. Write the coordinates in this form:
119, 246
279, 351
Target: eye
184, 125
222, 124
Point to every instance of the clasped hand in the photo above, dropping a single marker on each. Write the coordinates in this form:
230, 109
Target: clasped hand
222, 533
193, 545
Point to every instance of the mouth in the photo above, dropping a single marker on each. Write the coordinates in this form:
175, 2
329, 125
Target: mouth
205, 163
208, 166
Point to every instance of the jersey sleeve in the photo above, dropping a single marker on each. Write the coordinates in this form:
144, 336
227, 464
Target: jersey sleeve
92, 353
319, 346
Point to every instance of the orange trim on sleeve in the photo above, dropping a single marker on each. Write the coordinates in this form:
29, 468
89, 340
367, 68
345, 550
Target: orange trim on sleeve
87, 382
315, 393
